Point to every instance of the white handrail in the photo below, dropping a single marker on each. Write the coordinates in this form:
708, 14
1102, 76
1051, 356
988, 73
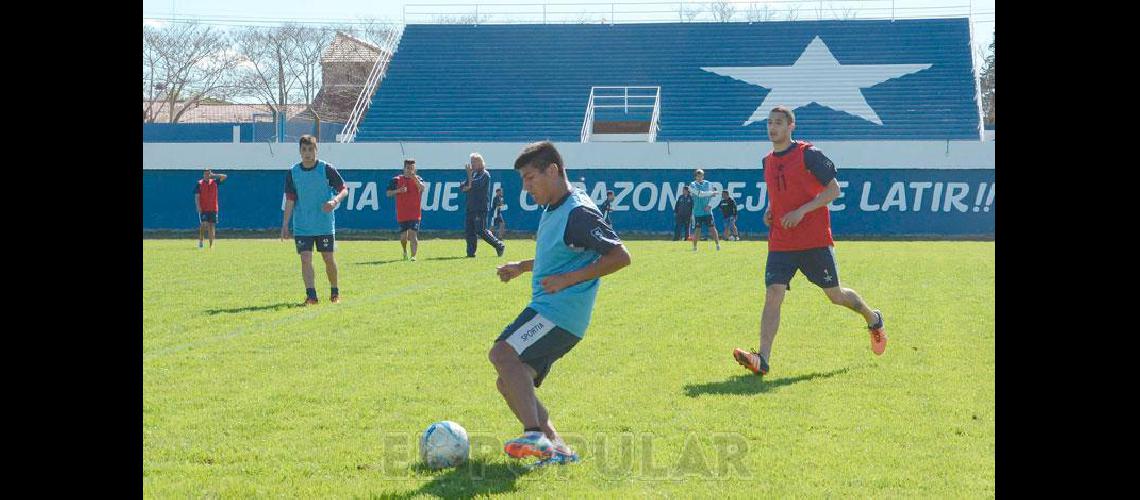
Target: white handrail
654, 124
379, 69
588, 121
592, 104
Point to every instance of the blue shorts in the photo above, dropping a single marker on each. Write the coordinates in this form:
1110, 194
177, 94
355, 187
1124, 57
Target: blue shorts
413, 225
324, 243
211, 217
817, 264
538, 341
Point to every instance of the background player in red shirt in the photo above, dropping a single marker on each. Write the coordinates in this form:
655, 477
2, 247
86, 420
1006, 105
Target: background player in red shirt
406, 188
801, 182
206, 203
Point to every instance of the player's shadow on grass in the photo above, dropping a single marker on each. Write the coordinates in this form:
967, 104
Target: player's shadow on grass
751, 384
376, 262
477, 477
446, 258
271, 307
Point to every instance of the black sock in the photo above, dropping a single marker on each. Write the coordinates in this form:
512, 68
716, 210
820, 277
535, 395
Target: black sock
311, 293
533, 429
335, 291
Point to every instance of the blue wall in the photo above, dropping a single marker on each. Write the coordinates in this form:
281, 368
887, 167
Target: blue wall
887, 202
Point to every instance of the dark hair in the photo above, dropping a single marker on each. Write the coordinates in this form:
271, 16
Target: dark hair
540, 155
409, 161
786, 111
685, 187
609, 193
307, 139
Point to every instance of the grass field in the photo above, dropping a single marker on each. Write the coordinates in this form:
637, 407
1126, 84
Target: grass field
248, 395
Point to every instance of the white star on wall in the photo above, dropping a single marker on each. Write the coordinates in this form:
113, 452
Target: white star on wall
818, 77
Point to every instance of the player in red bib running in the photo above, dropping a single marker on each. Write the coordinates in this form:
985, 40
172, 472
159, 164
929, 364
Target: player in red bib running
801, 182
406, 188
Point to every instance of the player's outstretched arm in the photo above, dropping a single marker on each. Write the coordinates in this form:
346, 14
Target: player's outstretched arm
512, 270
617, 258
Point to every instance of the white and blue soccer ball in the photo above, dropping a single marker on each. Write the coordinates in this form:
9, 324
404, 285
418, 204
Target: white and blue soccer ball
444, 444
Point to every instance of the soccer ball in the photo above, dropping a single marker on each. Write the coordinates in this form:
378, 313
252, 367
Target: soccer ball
444, 444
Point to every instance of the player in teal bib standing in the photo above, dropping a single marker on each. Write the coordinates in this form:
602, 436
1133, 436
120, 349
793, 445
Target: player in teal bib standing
313, 191
703, 195
574, 247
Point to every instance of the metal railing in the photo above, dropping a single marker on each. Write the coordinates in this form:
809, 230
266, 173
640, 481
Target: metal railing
681, 11
389, 46
625, 105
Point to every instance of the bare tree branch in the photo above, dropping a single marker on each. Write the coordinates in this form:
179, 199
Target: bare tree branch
989, 84
184, 64
309, 43
268, 59
722, 11
763, 14
792, 13
691, 13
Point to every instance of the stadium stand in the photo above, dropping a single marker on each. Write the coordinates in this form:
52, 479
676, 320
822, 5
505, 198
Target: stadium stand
527, 82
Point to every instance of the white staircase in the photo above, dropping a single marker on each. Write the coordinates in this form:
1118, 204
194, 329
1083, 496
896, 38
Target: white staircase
389, 45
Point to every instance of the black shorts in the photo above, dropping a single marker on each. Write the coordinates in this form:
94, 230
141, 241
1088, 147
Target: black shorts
702, 219
497, 220
538, 341
211, 217
414, 225
817, 264
325, 243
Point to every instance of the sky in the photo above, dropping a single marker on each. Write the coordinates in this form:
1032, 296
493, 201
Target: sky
242, 12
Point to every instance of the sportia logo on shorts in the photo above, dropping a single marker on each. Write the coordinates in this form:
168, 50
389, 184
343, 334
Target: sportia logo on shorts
530, 332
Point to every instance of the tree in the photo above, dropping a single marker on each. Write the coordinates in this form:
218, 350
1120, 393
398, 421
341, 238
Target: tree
844, 12
792, 13
183, 64
722, 11
268, 68
462, 19
381, 33
989, 84
309, 43
754, 15
691, 13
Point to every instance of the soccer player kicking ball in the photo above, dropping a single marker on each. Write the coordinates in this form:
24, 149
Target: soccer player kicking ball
574, 248
801, 182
